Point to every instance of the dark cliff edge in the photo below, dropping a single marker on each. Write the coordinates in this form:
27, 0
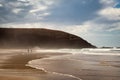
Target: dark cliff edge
37, 37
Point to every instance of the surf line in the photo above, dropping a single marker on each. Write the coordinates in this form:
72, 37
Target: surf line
66, 75
61, 74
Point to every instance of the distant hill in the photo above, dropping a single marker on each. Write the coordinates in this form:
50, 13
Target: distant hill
43, 38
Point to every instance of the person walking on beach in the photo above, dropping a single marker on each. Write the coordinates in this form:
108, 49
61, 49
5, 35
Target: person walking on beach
29, 50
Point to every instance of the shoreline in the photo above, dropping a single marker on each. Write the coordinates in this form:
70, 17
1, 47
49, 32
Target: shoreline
58, 66
13, 67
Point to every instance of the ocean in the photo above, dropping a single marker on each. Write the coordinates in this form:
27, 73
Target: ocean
81, 64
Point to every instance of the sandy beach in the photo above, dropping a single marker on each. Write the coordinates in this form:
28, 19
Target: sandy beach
20, 65
13, 67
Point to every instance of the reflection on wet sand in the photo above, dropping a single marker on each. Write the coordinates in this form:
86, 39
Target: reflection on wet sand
86, 67
13, 67
19, 65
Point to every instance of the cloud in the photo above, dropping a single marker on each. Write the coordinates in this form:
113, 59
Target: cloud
1, 5
40, 5
108, 19
74, 12
13, 11
72, 17
76, 16
110, 13
42, 8
107, 3
16, 11
21, 11
114, 27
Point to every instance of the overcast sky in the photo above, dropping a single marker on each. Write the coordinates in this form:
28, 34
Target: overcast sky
97, 21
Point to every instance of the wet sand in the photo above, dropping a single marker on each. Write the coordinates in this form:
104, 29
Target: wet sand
86, 67
66, 66
13, 67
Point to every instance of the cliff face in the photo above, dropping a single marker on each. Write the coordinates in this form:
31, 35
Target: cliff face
43, 38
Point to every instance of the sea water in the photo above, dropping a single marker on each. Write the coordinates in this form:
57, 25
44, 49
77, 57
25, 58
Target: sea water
81, 64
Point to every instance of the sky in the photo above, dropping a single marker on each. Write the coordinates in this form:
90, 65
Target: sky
97, 21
